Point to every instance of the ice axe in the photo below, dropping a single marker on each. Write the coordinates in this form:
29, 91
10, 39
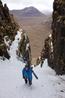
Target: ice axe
34, 74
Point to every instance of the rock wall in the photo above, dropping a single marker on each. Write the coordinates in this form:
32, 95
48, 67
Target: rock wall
58, 35
8, 27
24, 49
54, 48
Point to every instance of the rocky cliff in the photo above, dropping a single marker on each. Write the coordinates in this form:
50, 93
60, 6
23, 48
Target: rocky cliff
8, 27
58, 35
54, 48
24, 49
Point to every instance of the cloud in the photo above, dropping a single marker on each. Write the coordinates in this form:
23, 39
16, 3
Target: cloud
19, 4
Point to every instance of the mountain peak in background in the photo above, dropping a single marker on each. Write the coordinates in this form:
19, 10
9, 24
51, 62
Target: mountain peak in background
28, 12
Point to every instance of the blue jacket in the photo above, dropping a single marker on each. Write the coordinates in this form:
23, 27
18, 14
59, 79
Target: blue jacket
27, 73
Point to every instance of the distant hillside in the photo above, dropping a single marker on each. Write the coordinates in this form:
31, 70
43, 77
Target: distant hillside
37, 27
27, 12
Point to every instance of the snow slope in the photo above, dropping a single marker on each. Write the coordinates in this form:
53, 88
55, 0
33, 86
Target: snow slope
12, 85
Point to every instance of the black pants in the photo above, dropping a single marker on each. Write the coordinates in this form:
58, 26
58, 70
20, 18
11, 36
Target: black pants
26, 80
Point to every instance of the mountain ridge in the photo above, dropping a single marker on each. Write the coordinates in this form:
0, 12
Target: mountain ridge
27, 12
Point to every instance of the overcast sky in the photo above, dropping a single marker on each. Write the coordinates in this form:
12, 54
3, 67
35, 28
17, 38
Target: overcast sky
40, 4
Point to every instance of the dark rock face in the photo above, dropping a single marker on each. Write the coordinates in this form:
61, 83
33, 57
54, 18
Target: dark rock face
58, 36
56, 56
8, 27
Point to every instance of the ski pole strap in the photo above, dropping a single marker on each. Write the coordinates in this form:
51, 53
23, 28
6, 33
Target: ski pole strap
34, 74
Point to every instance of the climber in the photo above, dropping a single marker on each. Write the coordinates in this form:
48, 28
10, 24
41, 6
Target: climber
27, 74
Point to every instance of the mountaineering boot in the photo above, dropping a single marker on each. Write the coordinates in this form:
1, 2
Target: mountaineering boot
25, 81
30, 82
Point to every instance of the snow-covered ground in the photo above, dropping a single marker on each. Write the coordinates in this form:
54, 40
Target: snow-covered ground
12, 85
